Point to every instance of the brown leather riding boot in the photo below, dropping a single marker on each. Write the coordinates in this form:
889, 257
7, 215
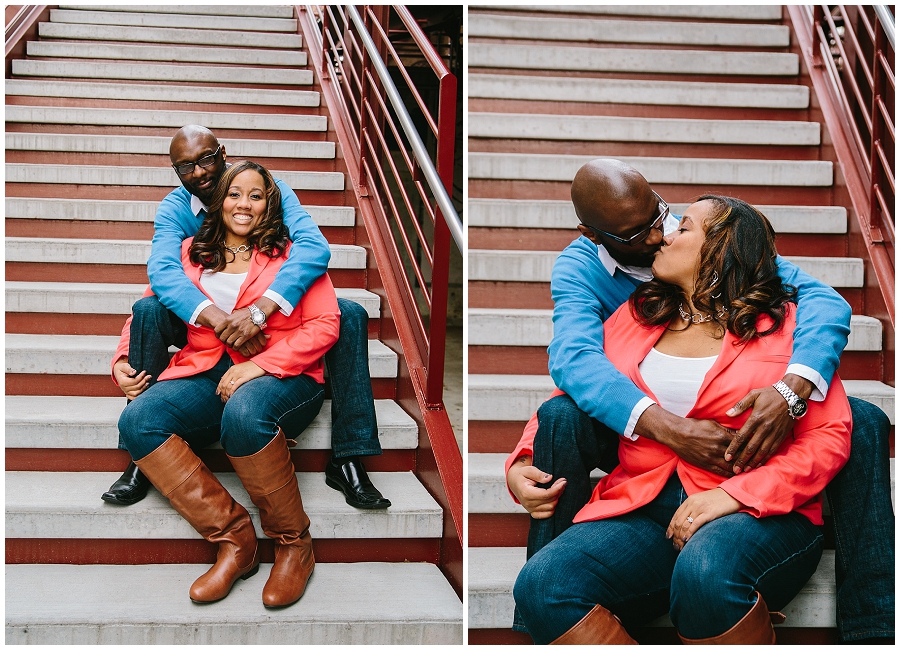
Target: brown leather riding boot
598, 627
754, 629
198, 496
271, 483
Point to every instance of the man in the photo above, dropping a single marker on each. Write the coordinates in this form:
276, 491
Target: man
622, 223
159, 321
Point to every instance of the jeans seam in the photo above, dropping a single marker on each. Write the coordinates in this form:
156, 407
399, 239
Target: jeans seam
787, 559
298, 406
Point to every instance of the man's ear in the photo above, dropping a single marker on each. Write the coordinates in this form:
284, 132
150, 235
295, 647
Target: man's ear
590, 234
224, 156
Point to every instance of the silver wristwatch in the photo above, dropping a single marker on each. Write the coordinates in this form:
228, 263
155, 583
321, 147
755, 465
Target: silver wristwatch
796, 404
257, 316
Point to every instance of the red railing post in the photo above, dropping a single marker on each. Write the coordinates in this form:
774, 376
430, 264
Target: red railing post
878, 83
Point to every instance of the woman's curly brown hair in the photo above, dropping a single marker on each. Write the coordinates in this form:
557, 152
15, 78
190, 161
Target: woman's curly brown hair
270, 237
739, 250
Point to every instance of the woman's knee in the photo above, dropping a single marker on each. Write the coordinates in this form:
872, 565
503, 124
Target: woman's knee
246, 426
533, 585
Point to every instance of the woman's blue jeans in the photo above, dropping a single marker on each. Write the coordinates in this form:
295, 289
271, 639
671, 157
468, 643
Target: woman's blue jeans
247, 422
627, 565
354, 430
570, 443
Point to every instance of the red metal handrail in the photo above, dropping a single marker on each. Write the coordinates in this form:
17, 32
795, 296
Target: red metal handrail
850, 54
403, 191
422, 240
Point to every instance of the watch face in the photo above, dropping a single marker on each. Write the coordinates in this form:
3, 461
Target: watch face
257, 318
799, 408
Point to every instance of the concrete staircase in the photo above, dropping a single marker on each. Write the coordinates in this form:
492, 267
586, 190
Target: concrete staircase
89, 115
699, 99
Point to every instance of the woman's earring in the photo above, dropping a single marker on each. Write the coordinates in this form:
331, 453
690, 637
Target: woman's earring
715, 280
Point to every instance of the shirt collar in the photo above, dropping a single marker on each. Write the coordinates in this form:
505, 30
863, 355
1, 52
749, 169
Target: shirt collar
641, 273
197, 205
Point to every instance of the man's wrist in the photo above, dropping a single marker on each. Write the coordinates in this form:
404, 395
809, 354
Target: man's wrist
802, 387
210, 317
267, 306
657, 424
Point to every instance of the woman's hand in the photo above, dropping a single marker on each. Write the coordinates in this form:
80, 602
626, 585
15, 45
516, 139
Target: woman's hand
130, 381
236, 376
523, 479
699, 509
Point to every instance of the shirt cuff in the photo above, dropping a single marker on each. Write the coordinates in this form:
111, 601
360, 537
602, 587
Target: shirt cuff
821, 386
286, 307
203, 305
636, 414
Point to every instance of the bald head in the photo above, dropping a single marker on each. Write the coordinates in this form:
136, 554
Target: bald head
189, 135
605, 189
196, 148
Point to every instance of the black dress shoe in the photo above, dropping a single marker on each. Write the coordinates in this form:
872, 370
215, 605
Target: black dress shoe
348, 475
131, 487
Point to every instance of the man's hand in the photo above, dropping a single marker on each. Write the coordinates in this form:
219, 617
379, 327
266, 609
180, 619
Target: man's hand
254, 345
236, 329
767, 426
130, 381
235, 377
522, 480
238, 332
699, 442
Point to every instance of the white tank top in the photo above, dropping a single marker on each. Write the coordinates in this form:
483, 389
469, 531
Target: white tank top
675, 381
222, 288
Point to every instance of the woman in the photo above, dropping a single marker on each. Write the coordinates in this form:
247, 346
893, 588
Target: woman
209, 392
658, 534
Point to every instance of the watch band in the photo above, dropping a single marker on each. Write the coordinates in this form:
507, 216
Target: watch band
256, 314
796, 404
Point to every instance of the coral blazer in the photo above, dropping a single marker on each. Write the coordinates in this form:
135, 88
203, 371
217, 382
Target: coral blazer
297, 342
792, 480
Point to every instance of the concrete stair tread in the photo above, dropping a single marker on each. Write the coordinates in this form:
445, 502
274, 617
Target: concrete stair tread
147, 176
129, 251
92, 355
250, 11
537, 266
517, 397
534, 327
627, 31
510, 213
235, 76
626, 60
636, 91
409, 603
156, 92
169, 35
679, 171
101, 298
710, 12
48, 505
492, 573
167, 53
187, 20
70, 422
604, 128
162, 118
82, 143
138, 211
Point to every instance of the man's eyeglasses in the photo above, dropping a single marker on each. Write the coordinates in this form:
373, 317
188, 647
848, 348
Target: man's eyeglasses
206, 162
642, 235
